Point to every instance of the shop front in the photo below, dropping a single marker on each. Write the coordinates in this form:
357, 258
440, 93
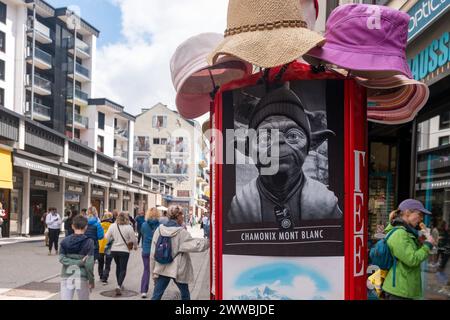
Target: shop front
42, 187
72, 196
15, 214
98, 198
6, 186
126, 205
113, 199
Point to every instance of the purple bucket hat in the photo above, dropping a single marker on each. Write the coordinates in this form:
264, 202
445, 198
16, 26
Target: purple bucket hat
369, 40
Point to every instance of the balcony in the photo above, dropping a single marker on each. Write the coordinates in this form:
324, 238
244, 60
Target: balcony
81, 98
82, 74
42, 59
121, 134
121, 155
41, 112
83, 49
177, 147
42, 86
80, 122
43, 34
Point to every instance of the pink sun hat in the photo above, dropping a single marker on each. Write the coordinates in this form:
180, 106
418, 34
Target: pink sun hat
194, 79
368, 40
394, 100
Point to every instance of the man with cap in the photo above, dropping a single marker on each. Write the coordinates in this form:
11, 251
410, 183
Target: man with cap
287, 196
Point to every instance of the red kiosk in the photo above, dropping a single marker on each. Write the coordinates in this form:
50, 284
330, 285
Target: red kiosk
319, 257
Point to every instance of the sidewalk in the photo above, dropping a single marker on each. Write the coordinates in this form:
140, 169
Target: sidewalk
29, 273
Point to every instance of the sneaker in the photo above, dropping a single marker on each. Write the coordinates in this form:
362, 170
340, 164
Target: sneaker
49, 253
105, 282
144, 295
118, 291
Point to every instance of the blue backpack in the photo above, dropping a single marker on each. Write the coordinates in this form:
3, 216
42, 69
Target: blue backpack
380, 254
163, 250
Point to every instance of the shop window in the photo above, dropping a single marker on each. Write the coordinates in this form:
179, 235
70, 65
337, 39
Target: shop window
101, 120
432, 188
2, 41
444, 141
444, 121
3, 11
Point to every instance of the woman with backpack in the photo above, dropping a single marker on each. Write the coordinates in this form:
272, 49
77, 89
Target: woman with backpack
170, 259
403, 281
123, 239
147, 230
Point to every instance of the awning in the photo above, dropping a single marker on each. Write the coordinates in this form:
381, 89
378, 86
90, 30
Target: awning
34, 165
6, 173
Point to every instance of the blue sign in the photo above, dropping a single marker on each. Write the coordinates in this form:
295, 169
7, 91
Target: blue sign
434, 56
423, 13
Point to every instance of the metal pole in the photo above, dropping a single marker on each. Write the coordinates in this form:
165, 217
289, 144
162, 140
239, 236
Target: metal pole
74, 81
33, 43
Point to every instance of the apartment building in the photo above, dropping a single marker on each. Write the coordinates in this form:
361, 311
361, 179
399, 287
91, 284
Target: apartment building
165, 146
58, 146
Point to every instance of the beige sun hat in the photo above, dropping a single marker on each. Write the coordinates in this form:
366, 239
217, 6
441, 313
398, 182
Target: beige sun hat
266, 33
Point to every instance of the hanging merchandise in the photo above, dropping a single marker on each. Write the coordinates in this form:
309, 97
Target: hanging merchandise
394, 100
194, 80
265, 33
368, 40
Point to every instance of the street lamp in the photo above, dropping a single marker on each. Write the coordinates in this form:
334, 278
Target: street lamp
73, 22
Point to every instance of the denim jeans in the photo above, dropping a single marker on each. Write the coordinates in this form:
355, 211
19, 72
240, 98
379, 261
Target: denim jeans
161, 285
146, 274
104, 266
121, 260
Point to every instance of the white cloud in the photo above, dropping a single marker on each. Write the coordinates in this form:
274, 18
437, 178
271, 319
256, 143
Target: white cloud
136, 72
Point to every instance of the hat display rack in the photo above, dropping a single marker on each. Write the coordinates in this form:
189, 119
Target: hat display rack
365, 42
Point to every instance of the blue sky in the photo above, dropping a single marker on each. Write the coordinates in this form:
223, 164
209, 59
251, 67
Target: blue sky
102, 14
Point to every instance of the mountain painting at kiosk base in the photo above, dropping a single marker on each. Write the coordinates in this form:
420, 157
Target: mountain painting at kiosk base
269, 278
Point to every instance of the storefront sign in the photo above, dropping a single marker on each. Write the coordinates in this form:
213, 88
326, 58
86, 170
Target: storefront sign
113, 195
118, 186
132, 190
434, 56
97, 193
71, 197
98, 182
36, 166
44, 183
74, 188
127, 197
73, 175
184, 193
423, 13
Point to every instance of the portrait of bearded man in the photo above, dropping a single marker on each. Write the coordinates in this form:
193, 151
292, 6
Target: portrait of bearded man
289, 195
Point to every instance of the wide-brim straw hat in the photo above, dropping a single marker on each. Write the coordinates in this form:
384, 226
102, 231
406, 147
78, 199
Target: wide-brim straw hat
266, 33
394, 100
194, 80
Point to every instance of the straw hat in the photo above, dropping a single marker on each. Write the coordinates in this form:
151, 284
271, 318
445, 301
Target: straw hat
194, 80
266, 33
394, 100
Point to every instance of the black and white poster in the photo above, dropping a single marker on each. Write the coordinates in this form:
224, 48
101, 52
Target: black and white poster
284, 169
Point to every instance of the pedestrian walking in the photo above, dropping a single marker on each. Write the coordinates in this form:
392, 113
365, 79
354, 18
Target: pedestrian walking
53, 221
77, 259
123, 239
403, 281
68, 223
139, 222
443, 252
105, 258
180, 270
206, 225
44, 226
94, 230
65, 219
2, 218
149, 227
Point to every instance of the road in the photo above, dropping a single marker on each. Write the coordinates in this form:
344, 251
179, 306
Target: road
28, 273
